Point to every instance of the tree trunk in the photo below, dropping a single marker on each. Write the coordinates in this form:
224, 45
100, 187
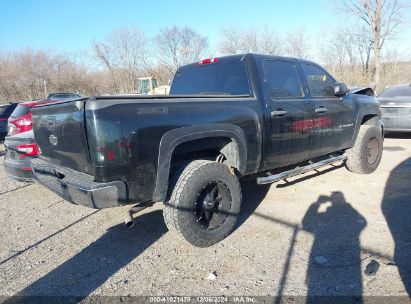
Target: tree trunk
377, 60
377, 45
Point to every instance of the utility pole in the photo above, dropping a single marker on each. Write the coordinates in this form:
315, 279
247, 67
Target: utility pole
45, 88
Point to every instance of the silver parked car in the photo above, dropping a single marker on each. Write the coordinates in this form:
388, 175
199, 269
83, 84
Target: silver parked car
396, 108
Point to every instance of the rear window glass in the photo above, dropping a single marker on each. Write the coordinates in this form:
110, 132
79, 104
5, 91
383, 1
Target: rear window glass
20, 110
221, 78
403, 91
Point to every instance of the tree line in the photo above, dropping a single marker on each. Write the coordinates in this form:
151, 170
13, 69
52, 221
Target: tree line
358, 54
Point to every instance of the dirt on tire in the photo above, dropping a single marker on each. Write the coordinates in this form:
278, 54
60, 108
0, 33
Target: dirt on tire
365, 156
179, 210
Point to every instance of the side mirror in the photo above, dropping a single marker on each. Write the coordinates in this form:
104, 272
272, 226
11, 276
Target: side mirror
340, 89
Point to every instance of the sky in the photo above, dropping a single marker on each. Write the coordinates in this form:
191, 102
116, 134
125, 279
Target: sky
71, 25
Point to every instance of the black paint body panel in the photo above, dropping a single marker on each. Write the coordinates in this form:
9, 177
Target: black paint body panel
153, 126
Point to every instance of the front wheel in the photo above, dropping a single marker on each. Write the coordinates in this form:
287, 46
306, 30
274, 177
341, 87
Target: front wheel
366, 154
204, 203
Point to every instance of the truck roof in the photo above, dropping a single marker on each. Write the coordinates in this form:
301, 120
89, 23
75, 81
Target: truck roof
238, 57
230, 58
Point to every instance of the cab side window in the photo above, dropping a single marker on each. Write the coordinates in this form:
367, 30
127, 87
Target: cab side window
320, 83
282, 78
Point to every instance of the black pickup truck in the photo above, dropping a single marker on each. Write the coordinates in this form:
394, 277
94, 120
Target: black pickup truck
225, 118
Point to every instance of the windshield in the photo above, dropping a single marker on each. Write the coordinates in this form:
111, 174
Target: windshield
154, 81
143, 86
221, 78
402, 91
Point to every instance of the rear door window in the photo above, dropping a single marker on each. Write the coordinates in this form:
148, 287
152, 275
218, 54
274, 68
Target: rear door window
320, 83
283, 79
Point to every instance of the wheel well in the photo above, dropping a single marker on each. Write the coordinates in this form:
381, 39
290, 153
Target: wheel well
373, 120
222, 149
370, 119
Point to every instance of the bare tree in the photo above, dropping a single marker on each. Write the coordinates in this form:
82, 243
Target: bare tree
381, 17
231, 41
124, 53
27, 74
394, 68
332, 53
270, 42
178, 46
235, 40
347, 51
30, 74
364, 48
297, 44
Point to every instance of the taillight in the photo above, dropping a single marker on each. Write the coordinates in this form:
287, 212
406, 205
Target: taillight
27, 150
3, 119
21, 124
104, 154
106, 142
208, 61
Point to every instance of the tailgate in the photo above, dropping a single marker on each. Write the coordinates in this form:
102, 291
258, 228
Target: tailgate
60, 133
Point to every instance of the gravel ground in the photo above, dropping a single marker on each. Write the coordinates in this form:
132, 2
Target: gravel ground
325, 233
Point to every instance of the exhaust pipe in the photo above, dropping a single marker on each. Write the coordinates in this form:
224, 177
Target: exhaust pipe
128, 220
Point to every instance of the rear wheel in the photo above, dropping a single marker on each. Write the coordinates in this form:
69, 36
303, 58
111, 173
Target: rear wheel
366, 154
204, 203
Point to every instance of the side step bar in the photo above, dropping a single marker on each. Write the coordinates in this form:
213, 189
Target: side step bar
300, 170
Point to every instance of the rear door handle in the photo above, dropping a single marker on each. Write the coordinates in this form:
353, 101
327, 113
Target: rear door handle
321, 110
278, 113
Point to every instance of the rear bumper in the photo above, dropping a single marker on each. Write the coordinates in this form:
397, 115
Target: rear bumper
19, 169
79, 188
18, 165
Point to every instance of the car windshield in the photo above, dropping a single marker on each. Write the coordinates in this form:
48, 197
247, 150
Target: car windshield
143, 86
220, 78
402, 91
